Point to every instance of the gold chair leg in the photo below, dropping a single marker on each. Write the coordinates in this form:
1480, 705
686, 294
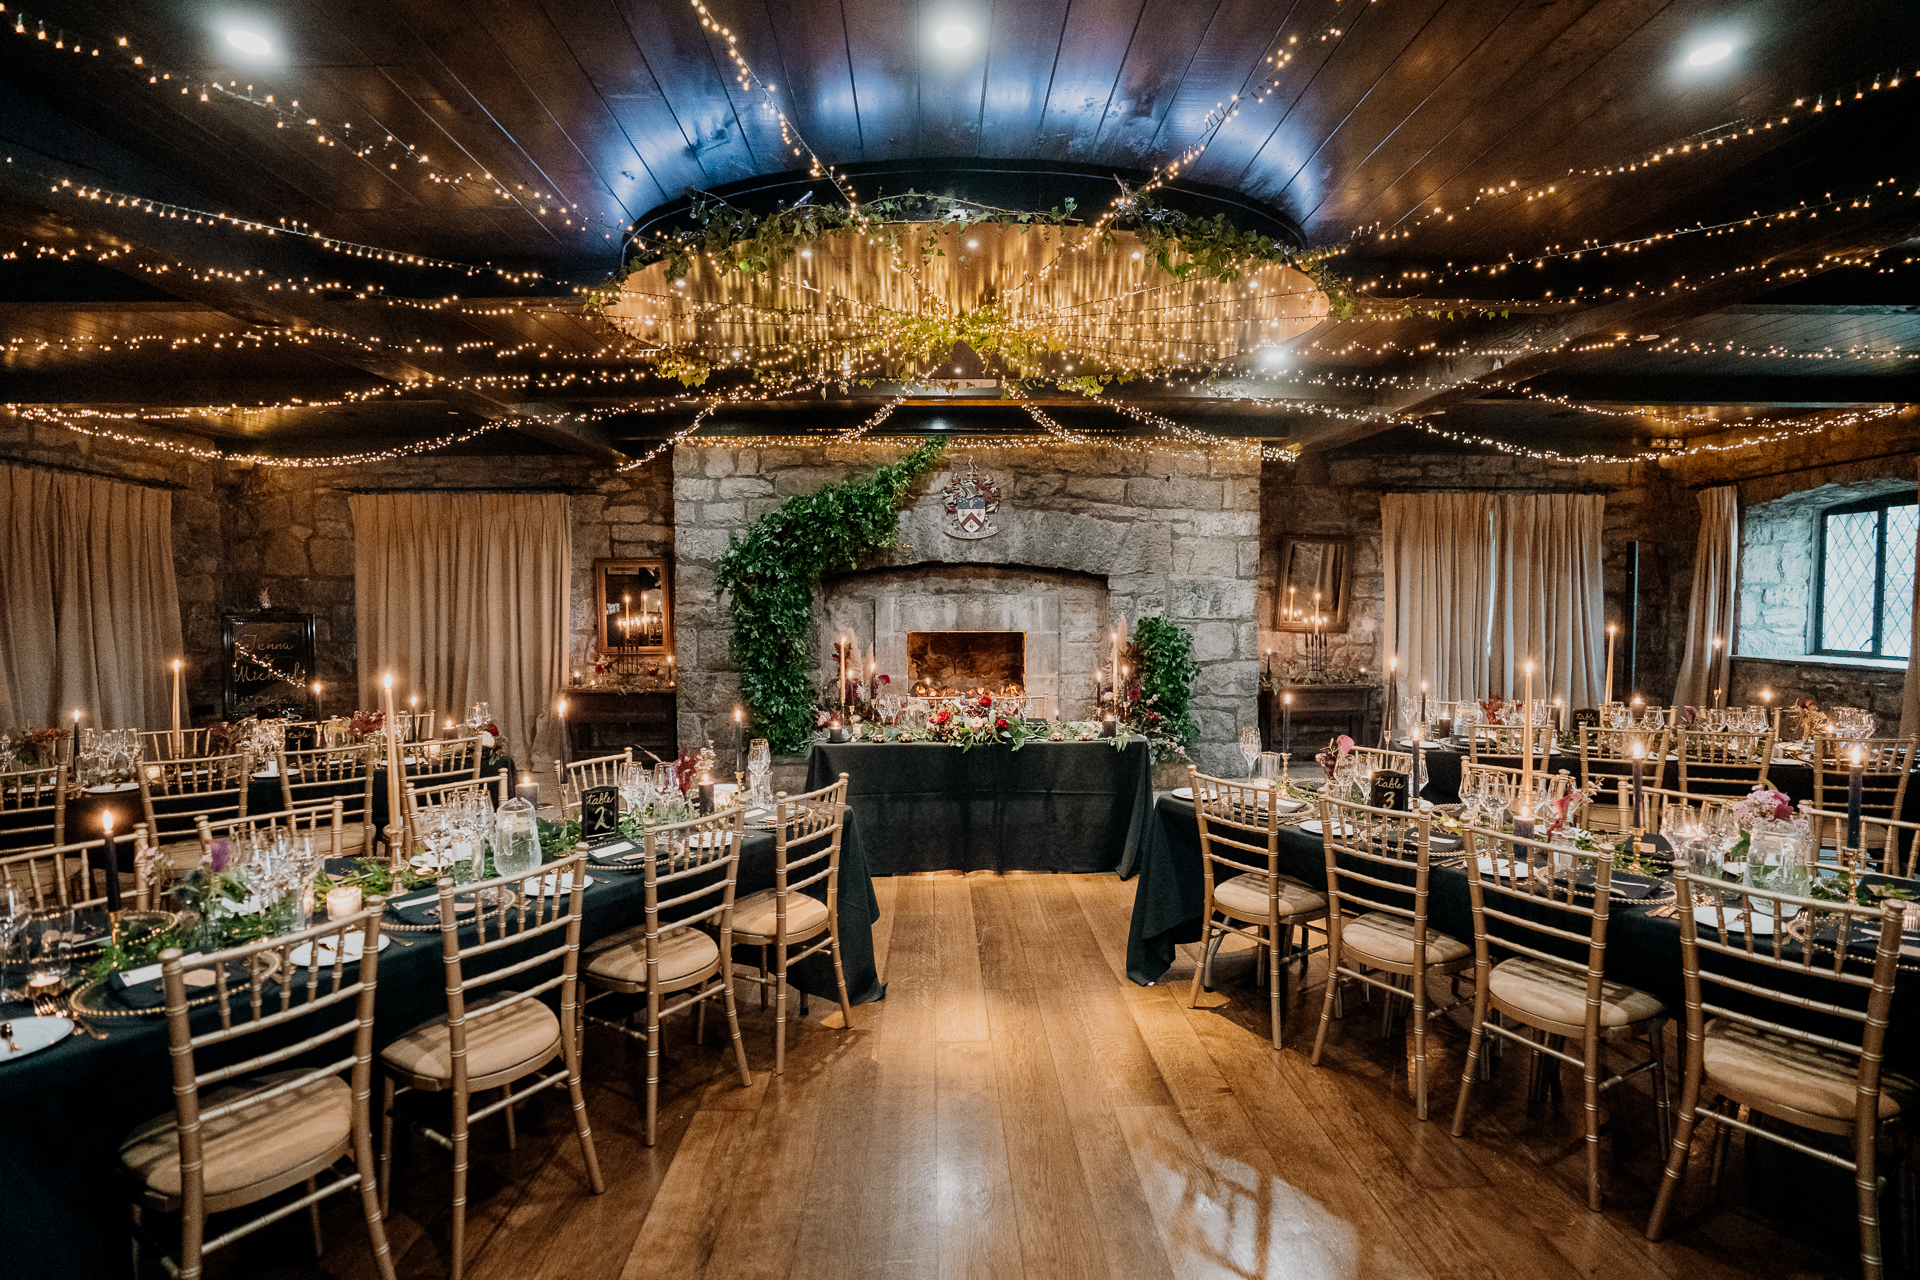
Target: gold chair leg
840, 979
1866, 1185
386, 1144
461, 1102
1327, 1002
313, 1219
576, 1091
1722, 1139
1475, 1042
1590, 1079
371, 1190
653, 1066
780, 1010
1271, 954
763, 977
1418, 983
733, 1026
1677, 1153
1200, 967
700, 1022
513, 1131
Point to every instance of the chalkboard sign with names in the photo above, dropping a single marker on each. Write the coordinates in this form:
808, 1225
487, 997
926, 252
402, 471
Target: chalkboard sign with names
1389, 790
599, 814
1586, 718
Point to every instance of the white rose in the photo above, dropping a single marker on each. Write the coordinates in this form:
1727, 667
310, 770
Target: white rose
486, 740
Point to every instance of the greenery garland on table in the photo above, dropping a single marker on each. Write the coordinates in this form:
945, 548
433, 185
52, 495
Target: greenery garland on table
770, 574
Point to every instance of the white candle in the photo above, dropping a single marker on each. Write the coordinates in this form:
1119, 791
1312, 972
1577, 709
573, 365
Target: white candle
343, 902
1526, 768
1611, 628
1713, 673
394, 826
177, 664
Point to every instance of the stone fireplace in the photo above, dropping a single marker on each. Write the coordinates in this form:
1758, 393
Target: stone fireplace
940, 662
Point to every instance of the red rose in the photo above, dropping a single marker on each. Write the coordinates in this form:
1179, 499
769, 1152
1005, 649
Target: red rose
1001, 723
943, 717
986, 700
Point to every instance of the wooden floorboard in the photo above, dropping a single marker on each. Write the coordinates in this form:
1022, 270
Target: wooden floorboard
1016, 1109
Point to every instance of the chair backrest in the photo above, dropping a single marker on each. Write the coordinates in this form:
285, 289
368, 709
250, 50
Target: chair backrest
320, 822
422, 800
1558, 784
57, 876
690, 869
1504, 743
170, 744
1608, 753
312, 776
1542, 901
176, 794
443, 759
1373, 759
33, 807
1239, 828
1723, 763
1831, 992
415, 726
1886, 845
1377, 861
298, 1010
806, 845
1885, 765
601, 771
509, 913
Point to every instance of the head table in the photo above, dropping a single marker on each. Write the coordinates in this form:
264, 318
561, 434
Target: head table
1050, 806
68, 1107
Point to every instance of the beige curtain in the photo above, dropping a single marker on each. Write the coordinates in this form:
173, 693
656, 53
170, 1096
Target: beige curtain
464, 598
1549, 600
1716, 565
1437, 548
92, 614
1910, 692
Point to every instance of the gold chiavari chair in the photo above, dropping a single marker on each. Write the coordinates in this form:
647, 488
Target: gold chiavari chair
422, 800
690, 870
170, 744
176, 794
33, 807
1240, 830
1885, 766
415, 726
1558, 784
1540, 905
55, 877
601, 771
1607, 756
320, 822
1373, 759
1377, 865
1790, 1022
442, 759
1886, 845
806, 853
504, 1038
1722, 762
1508, 744
241, 1133
313, 776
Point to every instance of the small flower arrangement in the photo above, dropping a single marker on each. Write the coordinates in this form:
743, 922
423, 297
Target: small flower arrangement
1334, 754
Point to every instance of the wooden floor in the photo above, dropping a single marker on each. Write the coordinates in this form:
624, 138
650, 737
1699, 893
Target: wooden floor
1017, 1108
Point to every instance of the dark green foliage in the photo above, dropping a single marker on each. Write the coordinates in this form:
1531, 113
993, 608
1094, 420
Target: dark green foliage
771, 572
1167, 671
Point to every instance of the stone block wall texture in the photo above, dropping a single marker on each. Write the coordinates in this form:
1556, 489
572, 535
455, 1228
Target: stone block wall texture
1167, 535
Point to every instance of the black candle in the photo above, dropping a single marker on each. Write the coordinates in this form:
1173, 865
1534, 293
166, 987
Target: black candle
109, 852
1853, 801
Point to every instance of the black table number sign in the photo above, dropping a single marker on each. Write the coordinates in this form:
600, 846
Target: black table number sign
599, 814
1586, 718
1389, 790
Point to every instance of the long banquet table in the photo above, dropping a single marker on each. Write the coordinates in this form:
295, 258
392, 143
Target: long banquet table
1050, 806
1643, 949
65, 1109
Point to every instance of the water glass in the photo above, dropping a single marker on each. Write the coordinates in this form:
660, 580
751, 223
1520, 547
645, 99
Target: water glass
1249, 746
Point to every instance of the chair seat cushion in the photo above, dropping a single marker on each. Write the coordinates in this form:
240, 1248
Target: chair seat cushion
754, 915
252, 1145
682, 953
1384, 936
527, 1031
1245, 897
1530, 987
1807, 1078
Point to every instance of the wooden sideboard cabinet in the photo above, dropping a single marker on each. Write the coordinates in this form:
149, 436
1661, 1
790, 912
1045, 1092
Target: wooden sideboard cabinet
602, 721
1320, 712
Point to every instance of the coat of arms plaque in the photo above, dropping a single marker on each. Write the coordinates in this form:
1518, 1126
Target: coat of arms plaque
971, 501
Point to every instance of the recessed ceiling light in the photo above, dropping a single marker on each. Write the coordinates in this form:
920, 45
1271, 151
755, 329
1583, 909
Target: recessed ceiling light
954, 35
250, 42
1709, 53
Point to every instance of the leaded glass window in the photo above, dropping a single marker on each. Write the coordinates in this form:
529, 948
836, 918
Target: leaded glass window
1865, 606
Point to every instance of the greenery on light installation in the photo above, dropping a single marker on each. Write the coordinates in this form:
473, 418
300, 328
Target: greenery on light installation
771, 572
1159, 704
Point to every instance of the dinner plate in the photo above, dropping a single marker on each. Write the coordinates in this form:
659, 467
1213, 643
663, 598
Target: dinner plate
1183, 793
30, 1035
356, 944
550, 882
111, 788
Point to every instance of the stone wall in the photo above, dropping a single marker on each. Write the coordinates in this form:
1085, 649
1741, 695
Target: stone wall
1178, 536
1829, 684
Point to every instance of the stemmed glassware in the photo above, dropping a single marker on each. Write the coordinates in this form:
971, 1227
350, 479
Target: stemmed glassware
1249, 746
760, 772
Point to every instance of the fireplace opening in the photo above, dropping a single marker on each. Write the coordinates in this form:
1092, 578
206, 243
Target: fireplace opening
956, 662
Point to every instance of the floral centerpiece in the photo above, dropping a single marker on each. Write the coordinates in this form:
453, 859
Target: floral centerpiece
1776, 844
977, 722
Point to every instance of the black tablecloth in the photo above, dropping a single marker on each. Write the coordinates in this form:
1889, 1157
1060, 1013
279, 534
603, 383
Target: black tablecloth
64, 1110
1642, 950
1050, 806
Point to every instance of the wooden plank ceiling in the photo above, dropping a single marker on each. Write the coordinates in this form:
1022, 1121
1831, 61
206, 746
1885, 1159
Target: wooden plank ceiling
513, 143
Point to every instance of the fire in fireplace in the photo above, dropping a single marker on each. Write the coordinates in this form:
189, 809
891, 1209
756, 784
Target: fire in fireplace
954, 662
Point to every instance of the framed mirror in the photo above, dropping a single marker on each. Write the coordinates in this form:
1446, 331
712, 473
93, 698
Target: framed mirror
634, 605
1315, 580
267, 663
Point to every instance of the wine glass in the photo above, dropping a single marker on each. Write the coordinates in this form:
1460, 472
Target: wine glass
1250, 746
759, 770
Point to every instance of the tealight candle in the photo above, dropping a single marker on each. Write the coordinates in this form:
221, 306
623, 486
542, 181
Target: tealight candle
343, 902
